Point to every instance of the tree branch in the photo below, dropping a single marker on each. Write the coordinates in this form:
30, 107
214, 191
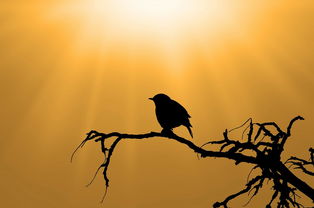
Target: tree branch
264, 154
301, 164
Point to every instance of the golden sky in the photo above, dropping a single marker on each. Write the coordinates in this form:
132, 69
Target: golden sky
74, 65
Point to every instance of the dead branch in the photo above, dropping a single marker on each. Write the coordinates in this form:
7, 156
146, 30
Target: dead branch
302, 164
264, 154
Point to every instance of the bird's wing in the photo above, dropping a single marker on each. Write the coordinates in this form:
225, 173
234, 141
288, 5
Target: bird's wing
180, 112
180, 109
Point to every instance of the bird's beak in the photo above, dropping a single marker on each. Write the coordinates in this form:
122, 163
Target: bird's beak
150, 98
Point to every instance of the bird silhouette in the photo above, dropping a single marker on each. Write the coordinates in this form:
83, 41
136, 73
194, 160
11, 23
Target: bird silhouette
171, 114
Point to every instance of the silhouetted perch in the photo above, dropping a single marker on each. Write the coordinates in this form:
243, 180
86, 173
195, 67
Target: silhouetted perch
264, 147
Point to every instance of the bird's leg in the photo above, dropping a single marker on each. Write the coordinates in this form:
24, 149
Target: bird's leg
168, 132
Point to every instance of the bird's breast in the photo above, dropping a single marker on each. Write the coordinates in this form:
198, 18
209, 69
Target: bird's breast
167, 118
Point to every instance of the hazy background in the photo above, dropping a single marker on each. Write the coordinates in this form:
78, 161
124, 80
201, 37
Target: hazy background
71, 66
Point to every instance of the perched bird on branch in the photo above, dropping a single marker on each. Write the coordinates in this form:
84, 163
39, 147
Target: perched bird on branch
171, 114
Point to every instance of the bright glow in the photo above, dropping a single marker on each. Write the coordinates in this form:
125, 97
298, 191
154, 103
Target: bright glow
149, 28
156, 13
163, 27
146, 16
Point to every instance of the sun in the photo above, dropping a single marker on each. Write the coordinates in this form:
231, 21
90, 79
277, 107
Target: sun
162, 31
161, 14
159, 31
148, 17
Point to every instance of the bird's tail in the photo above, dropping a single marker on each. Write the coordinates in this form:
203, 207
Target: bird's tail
190, 130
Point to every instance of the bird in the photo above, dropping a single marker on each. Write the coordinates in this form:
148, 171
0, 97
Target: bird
170, 113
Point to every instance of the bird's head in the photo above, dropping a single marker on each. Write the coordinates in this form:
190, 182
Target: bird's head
160, 98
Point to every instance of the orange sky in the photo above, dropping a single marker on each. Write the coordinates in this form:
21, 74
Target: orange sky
71, 66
